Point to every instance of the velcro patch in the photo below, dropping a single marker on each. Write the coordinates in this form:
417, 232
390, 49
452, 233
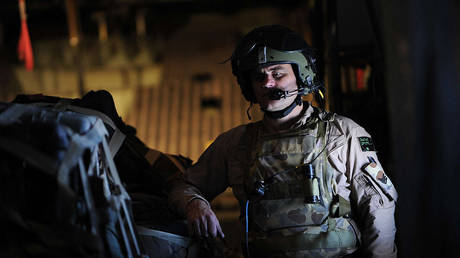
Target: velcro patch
377, 174
366, 144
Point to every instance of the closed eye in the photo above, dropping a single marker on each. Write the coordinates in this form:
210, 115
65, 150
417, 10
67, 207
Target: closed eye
277, 75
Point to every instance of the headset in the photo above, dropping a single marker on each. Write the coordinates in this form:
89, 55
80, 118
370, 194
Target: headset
276, 44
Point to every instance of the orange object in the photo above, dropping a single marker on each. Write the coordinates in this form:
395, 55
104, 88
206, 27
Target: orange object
24, 46
360, 83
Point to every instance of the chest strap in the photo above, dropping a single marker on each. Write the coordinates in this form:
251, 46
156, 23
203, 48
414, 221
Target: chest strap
290, 190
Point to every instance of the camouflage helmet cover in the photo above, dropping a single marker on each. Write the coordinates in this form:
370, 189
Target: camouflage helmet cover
268, 45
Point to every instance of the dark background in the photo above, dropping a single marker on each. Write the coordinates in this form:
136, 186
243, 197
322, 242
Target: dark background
410, 103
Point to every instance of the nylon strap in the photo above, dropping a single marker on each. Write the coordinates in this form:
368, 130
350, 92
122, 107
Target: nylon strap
131, 228
117, 138
292, 189
116, 141
13, 113
76, 147
122, 225
88, 198
176, 162
175, 169
322, 130
152, 155
344, 207
284, 112
113, 170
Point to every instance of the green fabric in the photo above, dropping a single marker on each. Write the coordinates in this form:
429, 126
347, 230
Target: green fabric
296, 189
344, 207
324, 240
284, 204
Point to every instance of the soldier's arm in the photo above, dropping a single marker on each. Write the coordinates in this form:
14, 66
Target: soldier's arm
203, 181
373, 196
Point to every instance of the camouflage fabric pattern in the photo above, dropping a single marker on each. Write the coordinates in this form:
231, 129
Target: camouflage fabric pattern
333, 238
280, 159
279, 162
275, 214
316, 253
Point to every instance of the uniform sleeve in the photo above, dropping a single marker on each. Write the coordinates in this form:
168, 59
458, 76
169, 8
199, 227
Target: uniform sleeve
205, 179
373, 196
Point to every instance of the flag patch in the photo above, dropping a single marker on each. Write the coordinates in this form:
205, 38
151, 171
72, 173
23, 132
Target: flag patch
366, 144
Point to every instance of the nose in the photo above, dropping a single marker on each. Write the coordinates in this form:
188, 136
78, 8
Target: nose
269, 81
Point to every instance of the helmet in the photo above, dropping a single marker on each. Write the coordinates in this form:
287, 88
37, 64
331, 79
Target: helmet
273, 44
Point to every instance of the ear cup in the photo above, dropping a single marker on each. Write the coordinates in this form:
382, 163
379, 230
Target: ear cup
280, 45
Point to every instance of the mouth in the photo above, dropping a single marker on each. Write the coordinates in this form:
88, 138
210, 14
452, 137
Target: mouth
277, 94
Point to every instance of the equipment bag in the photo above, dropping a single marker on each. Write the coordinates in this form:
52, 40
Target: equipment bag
61, 193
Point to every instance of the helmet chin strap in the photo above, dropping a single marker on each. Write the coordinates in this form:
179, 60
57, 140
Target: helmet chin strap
284, 112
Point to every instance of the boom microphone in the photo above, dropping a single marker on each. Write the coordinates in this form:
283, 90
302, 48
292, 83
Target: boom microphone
278, 94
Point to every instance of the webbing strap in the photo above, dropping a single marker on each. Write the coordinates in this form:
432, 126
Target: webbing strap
76, 147
13, 113
88, 197
292, 189
304, 241
176, 239
63, 105
131, 229
115, 142
321, 129
152, 155
173, 169
118, 201
340, 207
113, 169
117, 138
284, 112
176, 162
344, 206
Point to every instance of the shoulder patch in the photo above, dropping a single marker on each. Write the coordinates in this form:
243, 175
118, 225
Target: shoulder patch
366, 144
376, 172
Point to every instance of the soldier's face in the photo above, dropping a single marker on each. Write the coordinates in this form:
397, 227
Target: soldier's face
266, 79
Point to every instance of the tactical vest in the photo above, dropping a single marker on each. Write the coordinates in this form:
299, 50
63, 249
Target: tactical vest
293, 207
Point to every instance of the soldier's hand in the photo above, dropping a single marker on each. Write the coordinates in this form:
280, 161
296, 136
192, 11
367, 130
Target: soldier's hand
202, 222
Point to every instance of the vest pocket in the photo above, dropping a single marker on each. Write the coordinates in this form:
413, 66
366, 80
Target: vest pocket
339, 238
271, 215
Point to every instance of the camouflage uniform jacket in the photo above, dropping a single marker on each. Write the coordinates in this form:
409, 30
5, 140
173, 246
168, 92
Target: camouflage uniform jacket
349, 150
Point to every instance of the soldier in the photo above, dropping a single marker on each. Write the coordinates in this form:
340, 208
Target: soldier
308, 181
